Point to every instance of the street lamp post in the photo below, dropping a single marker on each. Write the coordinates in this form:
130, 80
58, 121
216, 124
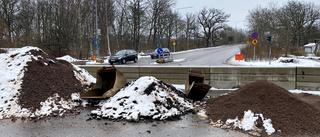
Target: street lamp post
175, 24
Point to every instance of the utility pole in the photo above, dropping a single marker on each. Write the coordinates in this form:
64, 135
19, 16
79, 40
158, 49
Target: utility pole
175, 24
97, 37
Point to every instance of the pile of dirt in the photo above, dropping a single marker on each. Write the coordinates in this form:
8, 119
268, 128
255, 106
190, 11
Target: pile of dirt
146, 98
34, 84
289, 115
45, 77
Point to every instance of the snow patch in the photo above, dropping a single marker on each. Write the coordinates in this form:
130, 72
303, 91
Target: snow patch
281, 62
249, 122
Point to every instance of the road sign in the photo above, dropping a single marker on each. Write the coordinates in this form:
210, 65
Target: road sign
174, 43
96, 42
160, 50
254, 35
239, 57
254, 42
94, 57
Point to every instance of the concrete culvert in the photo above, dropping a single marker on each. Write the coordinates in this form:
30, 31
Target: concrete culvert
109, 82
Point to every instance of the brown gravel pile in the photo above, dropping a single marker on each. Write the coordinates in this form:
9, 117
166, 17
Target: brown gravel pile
288, 113
45, 77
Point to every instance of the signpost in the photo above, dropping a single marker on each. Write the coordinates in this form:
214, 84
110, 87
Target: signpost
174, 44
269, 39
254, 42
160, 51
254, 35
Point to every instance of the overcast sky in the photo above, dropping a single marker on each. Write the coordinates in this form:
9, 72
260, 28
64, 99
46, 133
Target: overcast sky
237, 8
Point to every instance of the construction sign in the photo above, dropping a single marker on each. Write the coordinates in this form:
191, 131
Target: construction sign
239, 57
94, 57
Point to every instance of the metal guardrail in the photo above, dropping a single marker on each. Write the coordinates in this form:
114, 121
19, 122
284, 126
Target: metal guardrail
304, 78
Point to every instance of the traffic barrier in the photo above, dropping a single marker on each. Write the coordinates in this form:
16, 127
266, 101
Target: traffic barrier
304, 78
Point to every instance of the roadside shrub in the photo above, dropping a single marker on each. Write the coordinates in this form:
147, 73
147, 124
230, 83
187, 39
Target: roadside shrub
297, 51
261, 51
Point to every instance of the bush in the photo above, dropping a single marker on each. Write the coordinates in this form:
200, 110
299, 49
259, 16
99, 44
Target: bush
261, 51
297, 51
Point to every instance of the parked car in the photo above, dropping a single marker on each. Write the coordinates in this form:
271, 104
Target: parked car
166, 53
123, 56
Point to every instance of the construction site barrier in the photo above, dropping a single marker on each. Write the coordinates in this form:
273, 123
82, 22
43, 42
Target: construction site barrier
304, 78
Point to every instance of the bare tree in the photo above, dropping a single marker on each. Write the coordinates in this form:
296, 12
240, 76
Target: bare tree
8, 8
212, 21
136, 13
190, 26
157, 14
299, 17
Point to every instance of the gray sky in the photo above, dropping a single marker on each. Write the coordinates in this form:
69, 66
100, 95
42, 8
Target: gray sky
238, 9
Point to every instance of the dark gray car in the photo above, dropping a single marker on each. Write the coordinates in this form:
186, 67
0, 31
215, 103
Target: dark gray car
166, 53
123, 56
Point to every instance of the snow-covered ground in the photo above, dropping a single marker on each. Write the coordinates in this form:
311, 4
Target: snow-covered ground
280, 62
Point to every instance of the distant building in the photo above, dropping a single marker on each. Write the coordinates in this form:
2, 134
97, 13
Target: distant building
311, 48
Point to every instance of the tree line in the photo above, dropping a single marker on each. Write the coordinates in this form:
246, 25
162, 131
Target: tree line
69, 26
290, 26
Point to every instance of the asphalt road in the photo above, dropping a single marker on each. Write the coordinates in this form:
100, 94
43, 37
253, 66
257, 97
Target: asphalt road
215, 56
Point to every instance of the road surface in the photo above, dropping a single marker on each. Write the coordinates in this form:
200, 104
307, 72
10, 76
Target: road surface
215, 56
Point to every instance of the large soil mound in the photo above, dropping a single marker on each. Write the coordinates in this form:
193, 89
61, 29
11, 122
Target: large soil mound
289, 114
45, 77
34, 84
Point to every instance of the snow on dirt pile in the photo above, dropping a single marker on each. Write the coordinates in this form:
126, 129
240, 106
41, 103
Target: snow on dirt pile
34, 84
263, 107
146, 97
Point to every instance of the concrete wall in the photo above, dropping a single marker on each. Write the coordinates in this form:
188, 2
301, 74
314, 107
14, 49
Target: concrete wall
228, 77
308, 78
